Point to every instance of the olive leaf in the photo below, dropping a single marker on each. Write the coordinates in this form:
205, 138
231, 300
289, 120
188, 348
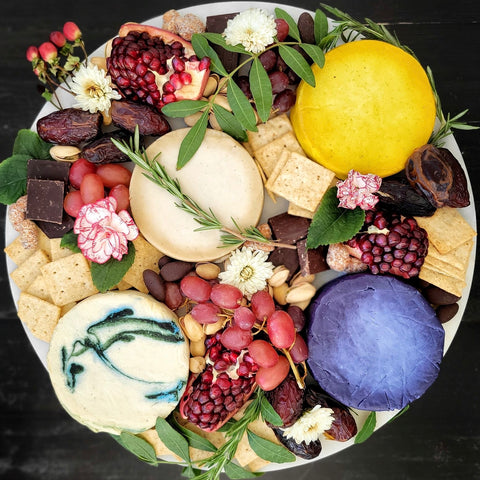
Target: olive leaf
367, 429
229, 123
297, 63
138, 446
236, 472
192, 140
183, 108
269, 414
292, 26
268, 450
172, 439
399, 413
70, 241
320, 26
194, 440
315, 53
218, 39
241, 107
203, 49
261, 89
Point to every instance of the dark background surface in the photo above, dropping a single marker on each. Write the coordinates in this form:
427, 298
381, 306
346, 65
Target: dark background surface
440, 435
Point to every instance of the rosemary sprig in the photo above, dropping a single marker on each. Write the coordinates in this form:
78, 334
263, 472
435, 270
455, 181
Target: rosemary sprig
348, 29
207, 219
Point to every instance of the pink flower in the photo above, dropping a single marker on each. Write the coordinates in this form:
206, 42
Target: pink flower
48, 51
357, 191
102, 233
58, 38
71, 31
32, 53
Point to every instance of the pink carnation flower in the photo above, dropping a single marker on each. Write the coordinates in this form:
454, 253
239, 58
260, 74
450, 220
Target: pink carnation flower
103, 233
357, 191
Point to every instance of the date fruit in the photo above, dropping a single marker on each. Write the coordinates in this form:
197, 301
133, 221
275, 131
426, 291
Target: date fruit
70, 126
439, 176
102, 150
308, 451
127, 115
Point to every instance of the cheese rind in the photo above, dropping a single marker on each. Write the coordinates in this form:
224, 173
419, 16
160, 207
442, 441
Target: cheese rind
117, 361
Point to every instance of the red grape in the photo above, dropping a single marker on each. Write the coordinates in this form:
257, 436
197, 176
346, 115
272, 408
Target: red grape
282, 29
268, 59
205, 312
226, 296
236, 339
72, 203
270, 378
262, 305
114, 174
195, 288
122, 195
284, 101
298, 317
299, 350
78, 170
280, 329
244, 318
279, 81
263, 354
91, 188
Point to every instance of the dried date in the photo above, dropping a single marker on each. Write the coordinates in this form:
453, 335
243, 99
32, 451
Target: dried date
127, 115
102, 150
69, 126
308, 451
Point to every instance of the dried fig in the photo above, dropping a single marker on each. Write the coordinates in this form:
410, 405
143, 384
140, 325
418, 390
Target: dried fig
102, 150
69, 126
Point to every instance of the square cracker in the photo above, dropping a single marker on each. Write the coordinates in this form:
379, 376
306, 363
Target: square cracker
458, 258
300, 180
268, 155
26, 272
39, 288
146, 257
56, 251
299, 212
69, 279
17, 252
446, 229
269, 131
41, 317
445, 282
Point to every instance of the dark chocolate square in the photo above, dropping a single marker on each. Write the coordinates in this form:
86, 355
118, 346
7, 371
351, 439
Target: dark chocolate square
218, 24
311, 261
287, 257
56, 230
288, 228
45, 200
48, 170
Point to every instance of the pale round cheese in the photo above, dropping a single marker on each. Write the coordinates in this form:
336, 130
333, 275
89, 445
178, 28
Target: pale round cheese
221, 176
117, 361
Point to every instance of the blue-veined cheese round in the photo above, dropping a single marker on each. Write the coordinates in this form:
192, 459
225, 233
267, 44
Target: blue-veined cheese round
117, 361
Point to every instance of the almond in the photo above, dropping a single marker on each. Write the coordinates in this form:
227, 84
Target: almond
208, 271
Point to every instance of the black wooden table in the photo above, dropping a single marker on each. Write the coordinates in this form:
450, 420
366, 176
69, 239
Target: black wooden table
440, 435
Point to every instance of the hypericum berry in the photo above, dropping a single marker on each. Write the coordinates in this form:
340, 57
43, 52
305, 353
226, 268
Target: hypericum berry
32, 53
71, 31
58, 38
48, 51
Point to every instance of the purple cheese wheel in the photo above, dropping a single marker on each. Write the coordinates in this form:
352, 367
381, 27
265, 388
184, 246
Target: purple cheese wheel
374, 342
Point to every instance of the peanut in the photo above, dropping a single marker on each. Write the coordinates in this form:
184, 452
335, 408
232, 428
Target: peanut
198, 349
280, 293
193, 330
212, 328
197, 364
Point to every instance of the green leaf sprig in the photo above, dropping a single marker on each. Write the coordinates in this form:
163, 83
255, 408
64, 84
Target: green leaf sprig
347, 29
368, 428
243, 116
207, 219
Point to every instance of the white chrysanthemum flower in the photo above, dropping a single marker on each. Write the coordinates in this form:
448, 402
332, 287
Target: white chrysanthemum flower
93, 90
248, 270
253, 28
311, 425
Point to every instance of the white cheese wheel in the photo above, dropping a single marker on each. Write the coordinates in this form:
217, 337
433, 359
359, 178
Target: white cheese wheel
117, 361
221, 176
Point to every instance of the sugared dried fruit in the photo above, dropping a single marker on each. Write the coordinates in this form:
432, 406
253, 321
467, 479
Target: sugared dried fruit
287, 400
102, 150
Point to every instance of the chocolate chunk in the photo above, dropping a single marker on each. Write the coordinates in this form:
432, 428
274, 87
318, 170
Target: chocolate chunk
218, 24
56, 230
311, 261
287, 257
288, 228
48, 170
45, 200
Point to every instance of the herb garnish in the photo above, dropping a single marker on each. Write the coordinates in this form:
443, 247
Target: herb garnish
207, 219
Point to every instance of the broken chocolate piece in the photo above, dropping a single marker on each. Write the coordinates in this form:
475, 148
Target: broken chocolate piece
48, 170
311, 261
56, 230
45, 200
218, 24
288, 228
286, 257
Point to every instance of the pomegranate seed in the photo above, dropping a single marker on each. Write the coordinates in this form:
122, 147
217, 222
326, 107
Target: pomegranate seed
185, 78
169, 98
168, 87
204, 63
176, 81
155, 64
178, 64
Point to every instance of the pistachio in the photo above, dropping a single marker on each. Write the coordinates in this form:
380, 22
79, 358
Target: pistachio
100, 62
280, 293
192, 119
65, 153
279, 276
197, 364
299, 278
303, 305
300, 293
211, 85
198, 349
208, 270
212, 328
223, 102
193, 330
212, 120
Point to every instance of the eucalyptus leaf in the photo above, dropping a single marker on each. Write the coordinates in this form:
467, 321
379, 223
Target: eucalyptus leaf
138, 446
367, 429
292, 25
261, 88
183, 108
236, 472
13, 178
172, 439
333, 224
320, 26
229, 123
70, 241
269, 414
297, 63
203, 49
268, 450
218, 39
315, 53
192, 140
105, 276
241, 107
